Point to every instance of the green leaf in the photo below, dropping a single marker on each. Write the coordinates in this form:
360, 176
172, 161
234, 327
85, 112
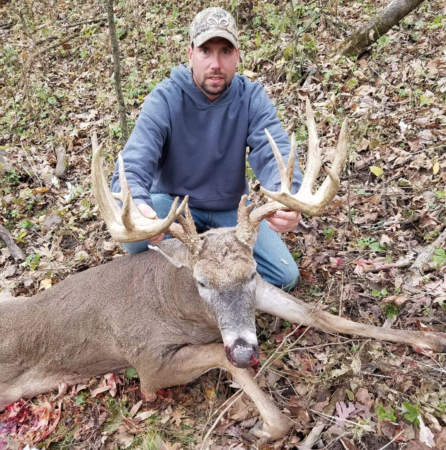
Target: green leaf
26, 224
440, 256
329, 232
80, 399
391, 310
131, 373
350, 395
376, 170
376, 247
412, 414
383, 414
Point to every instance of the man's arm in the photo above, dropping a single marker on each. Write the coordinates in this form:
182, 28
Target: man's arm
143, 150
142, 153
261, 157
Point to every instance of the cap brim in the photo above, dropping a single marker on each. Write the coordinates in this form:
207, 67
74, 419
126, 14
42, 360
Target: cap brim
204, 37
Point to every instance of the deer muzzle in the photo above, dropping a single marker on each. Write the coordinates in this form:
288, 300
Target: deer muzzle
242, 354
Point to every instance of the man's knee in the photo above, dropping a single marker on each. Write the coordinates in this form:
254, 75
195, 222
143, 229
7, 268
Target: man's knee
284, 275
133, 248
290, 277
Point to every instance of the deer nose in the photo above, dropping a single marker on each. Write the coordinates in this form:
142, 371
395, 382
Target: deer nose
242, 354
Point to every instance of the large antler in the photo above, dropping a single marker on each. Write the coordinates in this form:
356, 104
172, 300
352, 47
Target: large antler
304, 201
128, 224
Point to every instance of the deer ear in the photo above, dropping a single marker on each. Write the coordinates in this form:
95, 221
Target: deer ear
175, 261
175, 252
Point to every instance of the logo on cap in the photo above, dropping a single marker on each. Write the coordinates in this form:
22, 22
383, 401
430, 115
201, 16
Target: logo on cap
213, 22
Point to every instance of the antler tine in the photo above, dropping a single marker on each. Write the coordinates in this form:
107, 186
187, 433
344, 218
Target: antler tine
186, 232
107, 204
291, 163
331, 184
313, 165
128, 225
279, 160
266, 210
131, 217
245, 227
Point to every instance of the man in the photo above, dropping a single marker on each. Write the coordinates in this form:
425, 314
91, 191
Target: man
191, 138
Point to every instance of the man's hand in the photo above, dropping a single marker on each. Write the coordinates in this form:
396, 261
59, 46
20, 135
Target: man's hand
284, 221
148, 212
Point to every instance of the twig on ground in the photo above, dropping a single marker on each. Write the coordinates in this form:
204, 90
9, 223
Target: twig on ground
231, 401
335, 21
400, 263
333, 419
16, 252
313, 436
84, 22
387, 224
31, 164
393, 440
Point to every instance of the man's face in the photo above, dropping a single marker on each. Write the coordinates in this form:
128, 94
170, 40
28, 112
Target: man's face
213, 66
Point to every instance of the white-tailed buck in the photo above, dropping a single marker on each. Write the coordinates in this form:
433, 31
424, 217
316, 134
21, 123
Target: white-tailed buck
164, 311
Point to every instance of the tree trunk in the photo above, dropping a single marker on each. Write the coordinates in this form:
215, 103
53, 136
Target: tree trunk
117, 71
391, 15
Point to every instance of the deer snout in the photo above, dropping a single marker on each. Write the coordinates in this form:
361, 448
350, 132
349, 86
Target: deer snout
242, 354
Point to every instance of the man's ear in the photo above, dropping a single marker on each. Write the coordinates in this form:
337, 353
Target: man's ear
189, 54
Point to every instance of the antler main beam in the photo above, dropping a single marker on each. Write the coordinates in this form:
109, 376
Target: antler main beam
128, 224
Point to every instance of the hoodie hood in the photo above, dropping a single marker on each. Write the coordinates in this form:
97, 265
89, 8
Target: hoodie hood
182, 77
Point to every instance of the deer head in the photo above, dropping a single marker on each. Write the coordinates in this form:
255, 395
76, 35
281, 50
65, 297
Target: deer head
221, 260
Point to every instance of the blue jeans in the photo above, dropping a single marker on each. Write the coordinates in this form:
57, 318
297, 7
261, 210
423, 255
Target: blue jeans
274, 262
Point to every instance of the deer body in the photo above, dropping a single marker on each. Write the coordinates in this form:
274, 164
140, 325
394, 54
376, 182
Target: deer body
79, 328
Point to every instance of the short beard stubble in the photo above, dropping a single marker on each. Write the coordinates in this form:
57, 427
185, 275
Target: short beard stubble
215, 91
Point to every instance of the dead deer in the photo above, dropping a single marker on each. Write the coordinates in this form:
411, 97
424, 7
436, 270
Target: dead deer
164, 311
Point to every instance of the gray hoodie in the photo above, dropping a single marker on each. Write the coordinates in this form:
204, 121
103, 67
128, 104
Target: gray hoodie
184, 144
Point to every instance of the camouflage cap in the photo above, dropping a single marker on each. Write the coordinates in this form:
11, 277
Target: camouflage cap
213, 22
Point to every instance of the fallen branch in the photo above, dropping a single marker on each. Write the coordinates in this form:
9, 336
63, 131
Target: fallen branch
16, 252
424, 261
425, 257
390, 16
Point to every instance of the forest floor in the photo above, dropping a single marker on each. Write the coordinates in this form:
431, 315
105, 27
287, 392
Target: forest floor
356, 261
